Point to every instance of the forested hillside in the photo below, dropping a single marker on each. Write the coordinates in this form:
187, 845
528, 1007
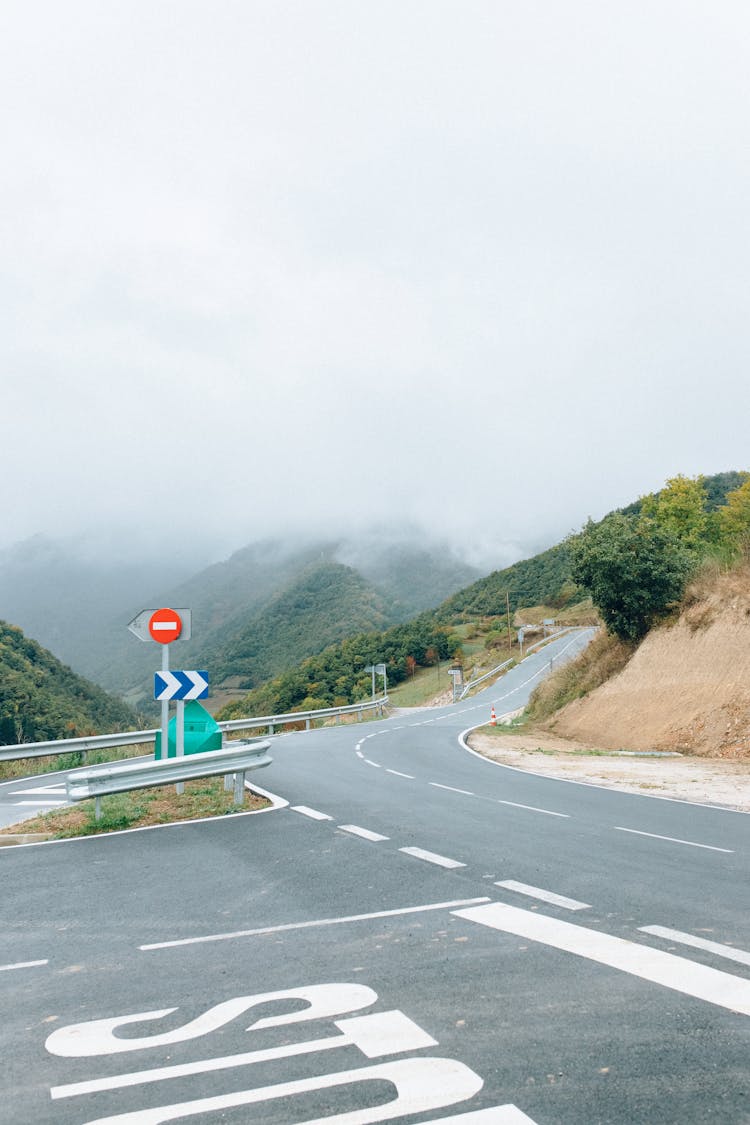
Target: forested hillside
42, 699
325, 604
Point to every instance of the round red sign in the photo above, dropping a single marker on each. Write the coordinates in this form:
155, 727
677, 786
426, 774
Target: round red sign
165, 625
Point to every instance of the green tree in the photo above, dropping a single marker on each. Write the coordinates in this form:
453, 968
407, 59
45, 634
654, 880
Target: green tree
634, 569
680, 509
733, 520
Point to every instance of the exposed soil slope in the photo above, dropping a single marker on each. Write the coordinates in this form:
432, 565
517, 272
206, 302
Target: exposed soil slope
687, 687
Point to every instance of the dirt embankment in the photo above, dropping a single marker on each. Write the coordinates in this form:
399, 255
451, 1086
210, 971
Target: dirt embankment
687, 686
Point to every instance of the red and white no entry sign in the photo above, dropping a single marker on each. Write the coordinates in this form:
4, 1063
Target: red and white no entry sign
165, 626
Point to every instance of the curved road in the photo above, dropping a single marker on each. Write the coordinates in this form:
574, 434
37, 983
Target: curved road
420, 935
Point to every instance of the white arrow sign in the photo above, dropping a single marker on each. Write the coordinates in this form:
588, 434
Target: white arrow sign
180, 685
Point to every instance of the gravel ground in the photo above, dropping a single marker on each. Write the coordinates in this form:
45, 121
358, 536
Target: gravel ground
702, 780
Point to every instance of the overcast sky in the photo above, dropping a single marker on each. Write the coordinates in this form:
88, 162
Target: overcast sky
270, 266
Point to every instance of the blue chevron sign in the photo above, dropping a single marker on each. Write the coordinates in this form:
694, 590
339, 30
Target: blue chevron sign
180, 685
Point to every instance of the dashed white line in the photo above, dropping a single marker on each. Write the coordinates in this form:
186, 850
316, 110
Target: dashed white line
39, 789
365, 833
546, 896
432, 857
654, 965
318, 922
371, 763
451, 788
533, 808
312, 813
674, 840
359, 754
22, 965
726, 951
397, 773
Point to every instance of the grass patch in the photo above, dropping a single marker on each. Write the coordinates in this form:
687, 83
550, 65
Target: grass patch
143, 807
31, 767
421, 687
600, 660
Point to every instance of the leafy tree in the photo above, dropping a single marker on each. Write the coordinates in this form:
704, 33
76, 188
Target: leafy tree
733, 520
635, 570
680, 509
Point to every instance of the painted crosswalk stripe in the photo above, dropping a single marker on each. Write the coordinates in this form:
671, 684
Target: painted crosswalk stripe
41, 803
654, 965
312, 813
545, 896
365, 833
39, 789
432, 857
716, 947
674, 840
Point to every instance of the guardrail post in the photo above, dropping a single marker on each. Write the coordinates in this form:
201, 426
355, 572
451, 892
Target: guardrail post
239, 789
228, 782
307, 724
338, 719
270, 728
98, 808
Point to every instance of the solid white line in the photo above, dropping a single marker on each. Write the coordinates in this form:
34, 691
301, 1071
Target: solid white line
22, 965
365, 833
312, 813
408, 776
546, 896
677, 973
41, 803
673, 840
317, 922
376, 764
533, 808
727, 951
451, 789
431, 857
39, 789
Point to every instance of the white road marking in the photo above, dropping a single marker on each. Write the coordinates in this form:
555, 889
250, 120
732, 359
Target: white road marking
359, 754
94, 1038
493, 1115
533, 808
673, 840
376, 1035
408, 776
318, 922
312, 813
22, 965
365, 833
431, 857
375, 764
39, 789
41, 804
451, 789
727, 951
421, 1085
677, 973
546, 896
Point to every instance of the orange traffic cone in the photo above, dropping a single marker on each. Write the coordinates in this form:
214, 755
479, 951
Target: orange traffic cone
493, 718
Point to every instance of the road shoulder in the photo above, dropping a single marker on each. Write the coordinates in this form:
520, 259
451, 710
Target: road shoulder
701, 780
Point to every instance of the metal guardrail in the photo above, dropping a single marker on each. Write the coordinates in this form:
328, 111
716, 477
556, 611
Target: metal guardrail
22, 750
480, 679
123, 777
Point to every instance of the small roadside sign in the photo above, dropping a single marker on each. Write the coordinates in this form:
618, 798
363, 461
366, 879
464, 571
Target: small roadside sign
140, 625
165, 626
180, 685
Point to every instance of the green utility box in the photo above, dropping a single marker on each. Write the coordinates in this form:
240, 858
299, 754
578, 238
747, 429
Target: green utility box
202, 732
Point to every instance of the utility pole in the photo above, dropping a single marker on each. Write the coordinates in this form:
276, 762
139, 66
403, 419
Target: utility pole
507, 610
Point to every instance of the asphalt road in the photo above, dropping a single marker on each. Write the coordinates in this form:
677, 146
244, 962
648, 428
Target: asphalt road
420, 935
